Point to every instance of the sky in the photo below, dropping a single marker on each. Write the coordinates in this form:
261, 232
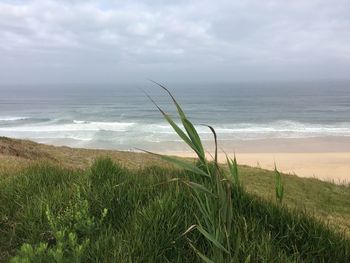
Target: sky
82, 41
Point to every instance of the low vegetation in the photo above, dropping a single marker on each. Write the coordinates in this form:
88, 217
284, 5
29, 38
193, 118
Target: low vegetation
112, 214
201, 212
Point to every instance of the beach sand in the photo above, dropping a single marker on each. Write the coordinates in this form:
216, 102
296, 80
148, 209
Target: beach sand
326, 158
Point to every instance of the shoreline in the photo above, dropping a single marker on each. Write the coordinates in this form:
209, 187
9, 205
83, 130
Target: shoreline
324, 158
267, 145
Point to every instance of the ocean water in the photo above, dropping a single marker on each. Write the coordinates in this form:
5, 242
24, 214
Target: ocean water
122, 117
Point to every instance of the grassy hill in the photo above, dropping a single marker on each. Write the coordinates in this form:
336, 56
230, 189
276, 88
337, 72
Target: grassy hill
105, 206
140, 209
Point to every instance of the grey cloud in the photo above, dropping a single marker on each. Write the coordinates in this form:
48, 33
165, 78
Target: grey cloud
188, 40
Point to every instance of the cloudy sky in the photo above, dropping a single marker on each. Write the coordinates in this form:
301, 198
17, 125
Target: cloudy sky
224, 40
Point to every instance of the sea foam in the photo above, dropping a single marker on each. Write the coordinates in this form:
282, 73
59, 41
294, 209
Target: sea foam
9, 118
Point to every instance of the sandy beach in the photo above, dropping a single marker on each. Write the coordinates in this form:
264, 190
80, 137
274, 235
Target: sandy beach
326, 158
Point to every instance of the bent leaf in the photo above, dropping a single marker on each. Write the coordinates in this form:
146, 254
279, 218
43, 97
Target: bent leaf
185, 165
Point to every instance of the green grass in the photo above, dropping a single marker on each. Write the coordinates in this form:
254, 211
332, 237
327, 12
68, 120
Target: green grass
202, 212
148, 213
326, 201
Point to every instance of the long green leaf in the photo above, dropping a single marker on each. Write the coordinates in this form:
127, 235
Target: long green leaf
216, 143
201, 188
191, 131
178, 162
278, 185
233, 167
178, 130
193, 134
205, 213
201, 255
172, 123
212, 239
179, 110
247, 260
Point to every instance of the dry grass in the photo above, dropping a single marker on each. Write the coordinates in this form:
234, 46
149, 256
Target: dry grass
15, 153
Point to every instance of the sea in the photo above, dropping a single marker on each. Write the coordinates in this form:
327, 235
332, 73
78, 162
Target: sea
121, 116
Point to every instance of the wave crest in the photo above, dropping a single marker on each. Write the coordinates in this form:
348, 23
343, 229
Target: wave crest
5, 118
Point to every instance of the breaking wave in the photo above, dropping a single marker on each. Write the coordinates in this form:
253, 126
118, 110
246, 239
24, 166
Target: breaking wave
13, 118
160, 132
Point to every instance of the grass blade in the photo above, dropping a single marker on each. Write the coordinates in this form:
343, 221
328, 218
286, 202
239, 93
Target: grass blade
185, 165
233, 167
201, 255
215, 141
200, 188
279, 188
179, 131
191, 131
212, 239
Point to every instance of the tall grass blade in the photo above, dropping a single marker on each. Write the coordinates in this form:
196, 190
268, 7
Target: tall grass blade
176, 128
202, 206
200, 188
233, 167
279, 187
247, 260
191, 131
201, 255
212, 239
185, 165
216, 143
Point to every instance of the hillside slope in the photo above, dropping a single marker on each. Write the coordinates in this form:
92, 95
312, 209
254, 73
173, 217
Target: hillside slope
327, 201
